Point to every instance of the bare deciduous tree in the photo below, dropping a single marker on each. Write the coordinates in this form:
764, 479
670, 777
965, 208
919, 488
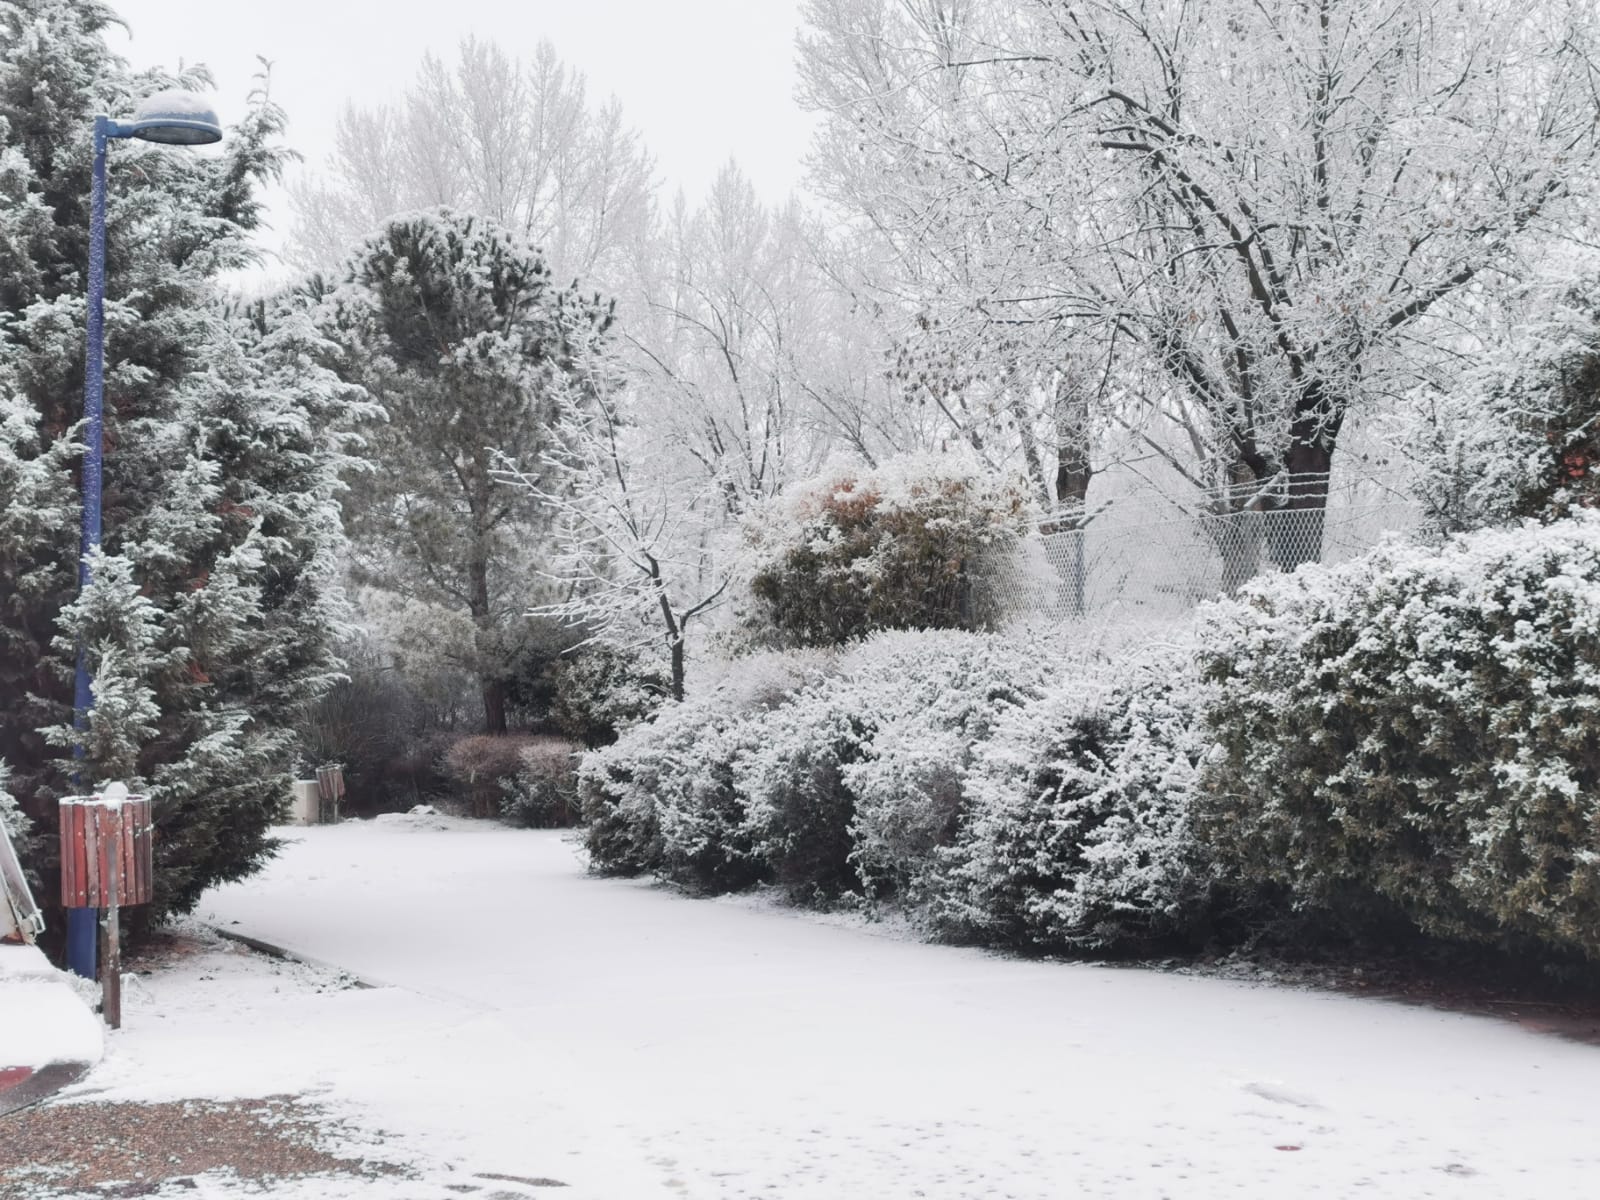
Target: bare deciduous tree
634, 545
517, 142
1264, 204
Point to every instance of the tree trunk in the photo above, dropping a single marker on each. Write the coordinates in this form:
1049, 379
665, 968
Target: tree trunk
494, 706
492, 689
677, 669
1073, 473
674, 629
1295, 531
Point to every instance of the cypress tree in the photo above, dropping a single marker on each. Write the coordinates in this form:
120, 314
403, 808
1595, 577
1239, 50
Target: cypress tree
213, 604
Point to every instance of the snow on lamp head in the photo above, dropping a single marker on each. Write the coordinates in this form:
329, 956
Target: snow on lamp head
176, 118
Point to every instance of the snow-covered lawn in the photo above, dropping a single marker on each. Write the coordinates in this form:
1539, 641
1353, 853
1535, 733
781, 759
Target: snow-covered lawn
532, 1021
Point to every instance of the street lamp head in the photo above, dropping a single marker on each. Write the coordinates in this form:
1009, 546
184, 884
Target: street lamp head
175, 118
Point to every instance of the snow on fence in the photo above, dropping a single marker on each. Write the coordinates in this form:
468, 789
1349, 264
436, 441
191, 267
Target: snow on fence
1141, 558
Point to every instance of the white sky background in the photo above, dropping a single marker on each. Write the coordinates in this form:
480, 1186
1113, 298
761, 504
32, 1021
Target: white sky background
702, 80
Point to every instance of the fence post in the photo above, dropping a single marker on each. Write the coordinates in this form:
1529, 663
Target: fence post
111, 946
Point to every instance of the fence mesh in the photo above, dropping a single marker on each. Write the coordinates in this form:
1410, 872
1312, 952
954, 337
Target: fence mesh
1135, 560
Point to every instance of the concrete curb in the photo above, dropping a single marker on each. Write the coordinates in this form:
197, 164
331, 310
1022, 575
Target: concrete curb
275, 951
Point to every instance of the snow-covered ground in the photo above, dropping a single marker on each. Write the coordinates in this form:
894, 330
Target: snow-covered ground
532, 1021
48, 1036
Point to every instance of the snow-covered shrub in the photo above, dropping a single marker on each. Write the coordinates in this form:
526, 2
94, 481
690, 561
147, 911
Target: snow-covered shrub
1014, 791
853, 782
1519, 434
482, 767
1077, 834
937, 697
544, 792
912, 544
798, 810
602, 689
667, 804
662, 799
1419, 730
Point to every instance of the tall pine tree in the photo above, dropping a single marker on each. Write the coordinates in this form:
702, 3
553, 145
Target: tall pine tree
454, 325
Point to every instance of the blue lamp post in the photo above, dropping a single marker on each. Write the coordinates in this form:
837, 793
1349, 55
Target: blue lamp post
173, 118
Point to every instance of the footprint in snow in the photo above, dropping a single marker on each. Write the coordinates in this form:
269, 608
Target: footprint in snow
1280, 1095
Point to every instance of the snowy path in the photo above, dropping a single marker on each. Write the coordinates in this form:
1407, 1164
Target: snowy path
635, 1044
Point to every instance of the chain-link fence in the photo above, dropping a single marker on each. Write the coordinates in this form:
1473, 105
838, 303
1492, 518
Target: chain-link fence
1141, 558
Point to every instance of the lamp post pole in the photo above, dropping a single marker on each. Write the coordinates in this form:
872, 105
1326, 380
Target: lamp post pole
82, 948
171, 118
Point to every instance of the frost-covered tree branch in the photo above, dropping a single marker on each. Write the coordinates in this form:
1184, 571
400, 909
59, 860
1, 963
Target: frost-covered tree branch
634, 551
1270, 213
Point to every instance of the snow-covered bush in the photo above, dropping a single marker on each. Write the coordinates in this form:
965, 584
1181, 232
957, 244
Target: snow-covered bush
544, 792
11, 815
482, 767
1518, 435
912, 544
1078, 833
1011, 791
1419, 730
936, 698
798, 811
662, 797
853, 782
602, 689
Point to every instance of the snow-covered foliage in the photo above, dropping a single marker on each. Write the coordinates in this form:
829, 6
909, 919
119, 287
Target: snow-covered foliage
1011, 792
544, 792
456, 327
631, 543
1419, 730
1257, 211
910, 544
1517, 437
38, 546
662, 798
121, 632
12, 817
788, 772
664, 767
858, 779
1078, 832
210, 619
602, 689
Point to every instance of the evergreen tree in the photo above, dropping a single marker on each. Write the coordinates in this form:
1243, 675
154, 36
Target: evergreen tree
215, 598
456, 328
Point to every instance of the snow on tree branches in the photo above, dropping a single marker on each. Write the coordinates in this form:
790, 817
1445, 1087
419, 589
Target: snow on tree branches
913, 544
210, 621
454, 326
1256, 211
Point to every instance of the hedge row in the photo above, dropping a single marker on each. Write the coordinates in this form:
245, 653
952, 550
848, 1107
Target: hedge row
997, 793
1419, 731
1412, 736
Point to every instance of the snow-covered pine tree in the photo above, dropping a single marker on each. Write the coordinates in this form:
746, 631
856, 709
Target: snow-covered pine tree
455, 326
215, 600
38, 542
245, 547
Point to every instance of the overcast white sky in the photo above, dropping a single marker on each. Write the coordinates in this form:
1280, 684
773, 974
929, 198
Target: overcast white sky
702, 80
